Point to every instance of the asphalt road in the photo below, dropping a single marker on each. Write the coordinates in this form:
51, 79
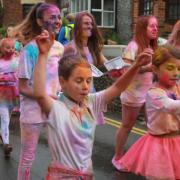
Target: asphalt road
102, 154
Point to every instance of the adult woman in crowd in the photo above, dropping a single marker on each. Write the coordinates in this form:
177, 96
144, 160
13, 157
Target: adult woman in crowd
87, 43
133, 98
42, 16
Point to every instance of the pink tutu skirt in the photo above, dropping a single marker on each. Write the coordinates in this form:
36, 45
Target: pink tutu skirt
154, 157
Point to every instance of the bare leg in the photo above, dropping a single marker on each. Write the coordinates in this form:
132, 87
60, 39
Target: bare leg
129, 116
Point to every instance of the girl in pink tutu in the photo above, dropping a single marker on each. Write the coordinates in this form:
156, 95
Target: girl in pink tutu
156, 155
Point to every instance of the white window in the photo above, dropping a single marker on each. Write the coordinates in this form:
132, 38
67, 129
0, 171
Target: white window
102, 10
79, 5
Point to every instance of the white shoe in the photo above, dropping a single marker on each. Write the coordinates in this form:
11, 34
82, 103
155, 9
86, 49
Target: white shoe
117, 165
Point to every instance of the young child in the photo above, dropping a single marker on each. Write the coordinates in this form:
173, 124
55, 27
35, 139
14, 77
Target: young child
156, 155
8, 88
42, 16
72, 118
66, 31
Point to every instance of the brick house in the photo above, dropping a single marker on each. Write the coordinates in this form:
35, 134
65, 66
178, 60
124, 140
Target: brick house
15, 10
117, 15
121, 15
167, 12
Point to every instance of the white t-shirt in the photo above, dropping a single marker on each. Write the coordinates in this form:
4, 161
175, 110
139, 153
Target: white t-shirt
135, 93
29, 108
70, 135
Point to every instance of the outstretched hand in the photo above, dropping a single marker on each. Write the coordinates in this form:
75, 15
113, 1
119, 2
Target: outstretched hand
145, 57
44, 41
115, 73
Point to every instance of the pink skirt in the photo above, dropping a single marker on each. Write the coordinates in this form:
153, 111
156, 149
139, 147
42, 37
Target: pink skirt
154, 157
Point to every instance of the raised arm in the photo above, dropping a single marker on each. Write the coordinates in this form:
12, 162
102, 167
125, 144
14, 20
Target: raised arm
122, 82
44, 42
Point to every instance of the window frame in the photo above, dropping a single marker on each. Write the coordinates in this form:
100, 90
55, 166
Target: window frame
102, 11
143, 4
26, 8
169, 4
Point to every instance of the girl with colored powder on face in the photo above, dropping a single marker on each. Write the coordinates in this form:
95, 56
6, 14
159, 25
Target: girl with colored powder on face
133, 98
42, 16
8, 88
156, 155
87, 43
72, 117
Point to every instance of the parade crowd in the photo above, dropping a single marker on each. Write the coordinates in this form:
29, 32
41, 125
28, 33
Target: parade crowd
46, 75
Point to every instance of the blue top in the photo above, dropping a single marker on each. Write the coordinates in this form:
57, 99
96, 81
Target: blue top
62, 37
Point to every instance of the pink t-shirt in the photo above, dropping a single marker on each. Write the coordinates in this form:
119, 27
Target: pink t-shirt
135, 93
163, 112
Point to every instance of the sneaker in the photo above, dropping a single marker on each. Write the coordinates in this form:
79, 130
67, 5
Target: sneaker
117, 165
7, 150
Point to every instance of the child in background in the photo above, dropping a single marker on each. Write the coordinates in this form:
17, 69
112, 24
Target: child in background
12, 34
41, 16
66, 31
8, 88
156, 155
133, 98
72, 118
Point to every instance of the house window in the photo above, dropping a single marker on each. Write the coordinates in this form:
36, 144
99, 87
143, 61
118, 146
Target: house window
79, 5
172, 11
146, 7
102, 10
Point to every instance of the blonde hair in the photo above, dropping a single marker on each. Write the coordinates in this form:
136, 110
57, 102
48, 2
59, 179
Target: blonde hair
174, 37
2, 41
164, 53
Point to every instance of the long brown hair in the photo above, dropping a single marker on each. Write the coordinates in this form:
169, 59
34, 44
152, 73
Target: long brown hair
174, 37
29, 28
140, 35
95, 42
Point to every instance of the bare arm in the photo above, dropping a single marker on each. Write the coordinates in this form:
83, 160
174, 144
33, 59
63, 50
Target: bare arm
25, 89
44, 42
103, 58
146, 69
122, 82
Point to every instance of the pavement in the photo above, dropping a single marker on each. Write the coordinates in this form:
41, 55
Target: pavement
103, 151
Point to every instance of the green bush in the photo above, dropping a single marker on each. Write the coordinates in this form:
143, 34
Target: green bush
2, 32
112, 35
